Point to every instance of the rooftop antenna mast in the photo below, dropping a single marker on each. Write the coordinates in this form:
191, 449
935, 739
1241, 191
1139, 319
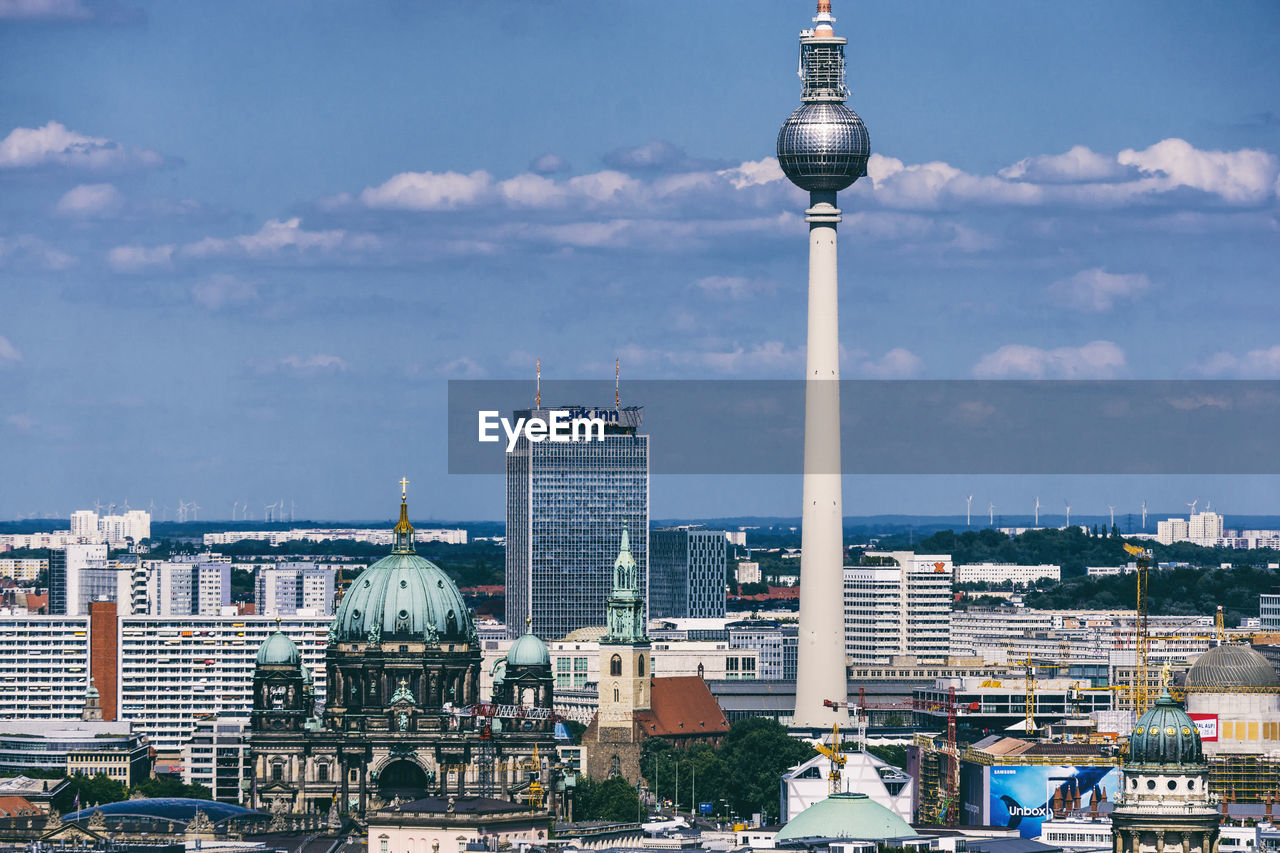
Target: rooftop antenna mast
617, 382
537, 396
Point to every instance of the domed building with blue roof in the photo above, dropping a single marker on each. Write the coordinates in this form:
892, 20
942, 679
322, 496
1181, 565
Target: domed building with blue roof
403, 716
1164, 804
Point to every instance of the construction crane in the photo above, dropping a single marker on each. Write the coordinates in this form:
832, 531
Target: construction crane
857, 713
834, 755
1141, 638
950, 814
1031, 695
1219, 628
537, 791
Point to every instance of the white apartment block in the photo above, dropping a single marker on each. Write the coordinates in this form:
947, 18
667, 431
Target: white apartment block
216, 756
44, 666
898, 604
748, 571
1109, 571
22, 570
371, 536
999, 573
1202, 528
286, 589
1204, 525
88, 526
174, 670
32, 541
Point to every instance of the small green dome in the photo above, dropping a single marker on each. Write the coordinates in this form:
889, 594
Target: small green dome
528, 650
92, 692
407, 598
278, 650
1165, 735
850, 815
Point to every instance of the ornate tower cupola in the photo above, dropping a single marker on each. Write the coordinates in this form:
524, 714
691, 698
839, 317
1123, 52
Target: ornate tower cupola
1164, 805
624, 651
403, 530
280, 690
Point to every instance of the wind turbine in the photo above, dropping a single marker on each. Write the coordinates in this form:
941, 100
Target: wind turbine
1193, 505
1113, 515
125, 508
266, 511
293, 506
97, 506
151, 507
968, 506
1144, 515
991, 511
1068, 506
234, 506
1037, 524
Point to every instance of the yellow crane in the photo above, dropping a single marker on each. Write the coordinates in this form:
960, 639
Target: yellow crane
537, 792
835, 756
1141, 638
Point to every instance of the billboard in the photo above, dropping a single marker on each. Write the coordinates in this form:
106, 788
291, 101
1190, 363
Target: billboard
1207, 725
1025, 797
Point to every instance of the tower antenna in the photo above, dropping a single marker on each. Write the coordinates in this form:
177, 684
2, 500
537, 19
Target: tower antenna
537, 396
617, 382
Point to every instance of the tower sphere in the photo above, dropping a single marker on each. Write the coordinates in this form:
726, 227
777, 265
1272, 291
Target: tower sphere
823, 146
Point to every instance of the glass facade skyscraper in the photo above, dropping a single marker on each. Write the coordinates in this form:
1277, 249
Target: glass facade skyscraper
687, 573
566, 503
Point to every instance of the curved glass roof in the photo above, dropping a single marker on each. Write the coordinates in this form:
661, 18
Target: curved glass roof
170, 809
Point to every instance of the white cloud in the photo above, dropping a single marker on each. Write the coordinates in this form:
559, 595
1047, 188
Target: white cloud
1094, 360
139, 258
224, 291
26, 250
55, 145
1076, 165
318, 362
897, 363
429, 191
1097, 290
89, 200
8, 352
734, 287
1262, 363
21, 421
278, 236
753, 173
1247, 176
66, 11
461, 368
548, 164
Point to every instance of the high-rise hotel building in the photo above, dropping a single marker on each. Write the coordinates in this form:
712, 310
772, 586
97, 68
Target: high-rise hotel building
566, 502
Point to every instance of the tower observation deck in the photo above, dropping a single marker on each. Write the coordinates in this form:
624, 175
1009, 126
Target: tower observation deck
823, 148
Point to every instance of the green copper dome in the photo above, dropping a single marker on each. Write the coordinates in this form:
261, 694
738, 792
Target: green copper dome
278, 650
1165, 735
855, 816
528, 651
403, 597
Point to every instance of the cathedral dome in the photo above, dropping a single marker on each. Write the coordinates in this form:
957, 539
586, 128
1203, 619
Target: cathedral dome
1165, 735
1229, 668
278, 650
846, 815
528, 651
404, 597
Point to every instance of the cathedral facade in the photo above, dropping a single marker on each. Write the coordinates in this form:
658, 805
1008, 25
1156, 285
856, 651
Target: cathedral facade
403, 718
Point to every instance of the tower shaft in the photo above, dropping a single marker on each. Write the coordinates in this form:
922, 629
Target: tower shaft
820, 672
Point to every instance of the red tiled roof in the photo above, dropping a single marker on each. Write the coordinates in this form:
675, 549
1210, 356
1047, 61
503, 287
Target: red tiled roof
16, 806
682, 706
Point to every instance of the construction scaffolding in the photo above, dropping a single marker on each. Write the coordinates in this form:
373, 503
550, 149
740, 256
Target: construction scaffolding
1245, 778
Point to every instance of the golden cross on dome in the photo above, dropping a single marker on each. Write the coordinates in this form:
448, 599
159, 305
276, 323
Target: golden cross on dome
404, 488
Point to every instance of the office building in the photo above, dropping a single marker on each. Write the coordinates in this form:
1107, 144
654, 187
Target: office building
566, 502
177, 669
687, 573
66, 592
88, 747
898, 603
172, 588
217, 756
289, 588
1006, 573
1269, 611
774, 644
747, 571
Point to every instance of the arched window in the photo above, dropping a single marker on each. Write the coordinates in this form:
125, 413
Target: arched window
642, 666
615, 665
701, 671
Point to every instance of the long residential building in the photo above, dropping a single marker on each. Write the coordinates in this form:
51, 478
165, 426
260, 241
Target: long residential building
898, 603
44, 666
370, 536
174, 670
1002, 573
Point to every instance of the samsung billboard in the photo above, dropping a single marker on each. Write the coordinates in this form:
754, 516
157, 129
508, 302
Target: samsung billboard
1023, 798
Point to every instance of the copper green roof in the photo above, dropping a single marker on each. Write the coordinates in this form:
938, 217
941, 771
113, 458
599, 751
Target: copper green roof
849, 815
278, 650
528, 650
1164, 735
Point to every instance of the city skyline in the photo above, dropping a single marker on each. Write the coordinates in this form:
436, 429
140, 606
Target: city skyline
223, 263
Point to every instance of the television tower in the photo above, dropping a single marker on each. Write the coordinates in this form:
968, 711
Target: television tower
823, 148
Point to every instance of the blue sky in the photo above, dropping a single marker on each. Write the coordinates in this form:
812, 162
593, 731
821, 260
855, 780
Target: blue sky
243, 245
